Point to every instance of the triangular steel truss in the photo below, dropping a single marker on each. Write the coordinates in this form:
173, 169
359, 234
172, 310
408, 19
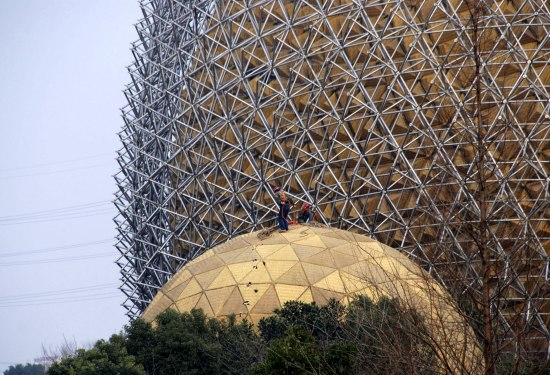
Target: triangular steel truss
367, 110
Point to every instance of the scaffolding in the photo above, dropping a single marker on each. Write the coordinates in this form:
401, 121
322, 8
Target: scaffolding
424, 124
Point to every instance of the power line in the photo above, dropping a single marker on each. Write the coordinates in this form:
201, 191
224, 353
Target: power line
81, 294
47, 299
63, 213
65, 217
57, 260
55, 172
116, 295
57, 162
57, 292
55, 248
56, 210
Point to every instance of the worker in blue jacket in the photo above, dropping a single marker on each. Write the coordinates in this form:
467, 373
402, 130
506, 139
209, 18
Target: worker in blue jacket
284, 204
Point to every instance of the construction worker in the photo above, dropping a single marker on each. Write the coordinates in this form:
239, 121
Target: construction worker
305, 213
289, 203
284, 208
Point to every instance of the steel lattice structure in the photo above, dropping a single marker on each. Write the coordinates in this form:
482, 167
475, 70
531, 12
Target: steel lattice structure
411, 121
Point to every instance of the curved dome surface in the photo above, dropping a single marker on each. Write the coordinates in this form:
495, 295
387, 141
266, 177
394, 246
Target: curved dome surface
373, 111
251, 275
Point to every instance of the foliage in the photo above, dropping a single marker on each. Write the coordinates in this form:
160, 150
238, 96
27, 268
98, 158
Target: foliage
388, 338
323, 322
27, 369
377, 338
105, 358
294, 353
300, 338
192, 343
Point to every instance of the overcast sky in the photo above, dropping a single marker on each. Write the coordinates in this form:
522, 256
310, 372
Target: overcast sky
62, 72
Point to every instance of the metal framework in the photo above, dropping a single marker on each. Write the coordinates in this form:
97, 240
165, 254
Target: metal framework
411, 121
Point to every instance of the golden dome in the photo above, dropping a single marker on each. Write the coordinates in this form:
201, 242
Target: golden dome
255, 273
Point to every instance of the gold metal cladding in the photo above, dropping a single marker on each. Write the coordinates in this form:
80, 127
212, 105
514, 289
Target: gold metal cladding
250, 277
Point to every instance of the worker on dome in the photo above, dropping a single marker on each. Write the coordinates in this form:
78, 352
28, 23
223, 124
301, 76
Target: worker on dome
305, 215
284, 203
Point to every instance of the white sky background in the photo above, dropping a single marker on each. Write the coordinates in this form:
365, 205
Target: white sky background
62, 72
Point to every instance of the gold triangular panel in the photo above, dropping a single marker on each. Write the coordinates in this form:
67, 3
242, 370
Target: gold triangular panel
354, 284
162, 304
343, 260
175, 292
322, 296
360, 238
258, 274
206, 278
331, 242
315, 272
350, 250
229, 256
393, 268
295, 276
224, 278
277, 268
341, 235
368, 271
188, 303
274, 240
252, 293
266, 250
181, 277
285, 253
313, 241
289, 292
306, 297
204, 265
236, 243
234, 304
240, 270
332, 282
394, 254
304, 251
373, 250
204, 305
192, 287
217, 298
323, 258
267, 303
246, 256
294, 236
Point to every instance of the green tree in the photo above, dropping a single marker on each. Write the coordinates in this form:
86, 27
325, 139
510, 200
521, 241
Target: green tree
27, 369
365, 337
105, 358
192, 343
305, 338
241, 347
322, 321
388, 338
300, 338
296, 353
